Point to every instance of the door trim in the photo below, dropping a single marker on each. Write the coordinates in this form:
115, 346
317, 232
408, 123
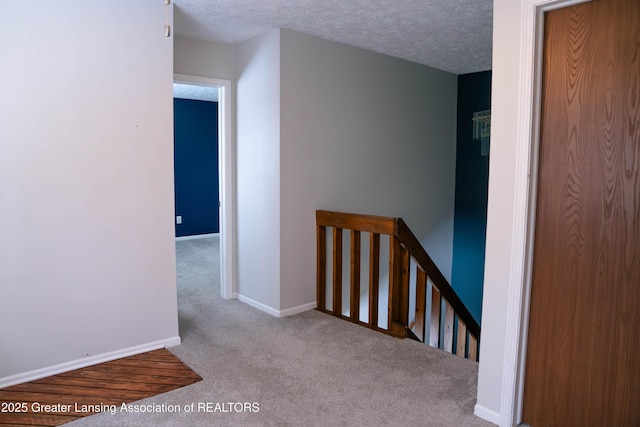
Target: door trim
227, 173
528, 128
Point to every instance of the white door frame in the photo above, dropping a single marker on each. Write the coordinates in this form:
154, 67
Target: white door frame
528, 126
226, 173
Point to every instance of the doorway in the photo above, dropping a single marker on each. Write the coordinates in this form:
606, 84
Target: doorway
196, 175
226, 173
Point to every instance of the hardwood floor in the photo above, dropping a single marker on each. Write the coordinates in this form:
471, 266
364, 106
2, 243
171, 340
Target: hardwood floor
105, 387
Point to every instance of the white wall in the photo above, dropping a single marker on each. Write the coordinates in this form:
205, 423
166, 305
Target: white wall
366, 133
257, 67
201, 58
507, 23
87, 260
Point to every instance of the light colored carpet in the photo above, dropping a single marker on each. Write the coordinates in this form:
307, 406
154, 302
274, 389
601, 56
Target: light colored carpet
309, 369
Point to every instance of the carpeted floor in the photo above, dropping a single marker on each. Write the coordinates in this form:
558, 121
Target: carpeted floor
309, 369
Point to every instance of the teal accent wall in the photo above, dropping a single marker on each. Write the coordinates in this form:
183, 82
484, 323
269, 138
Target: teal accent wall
472, 179
196, 166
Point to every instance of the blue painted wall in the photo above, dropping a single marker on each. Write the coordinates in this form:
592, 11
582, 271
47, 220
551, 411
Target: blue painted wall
472, 178
196, 166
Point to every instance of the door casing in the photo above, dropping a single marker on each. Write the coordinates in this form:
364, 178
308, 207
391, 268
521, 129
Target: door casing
526, 166
227, 173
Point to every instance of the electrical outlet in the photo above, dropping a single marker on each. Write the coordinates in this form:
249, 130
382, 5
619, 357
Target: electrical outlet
179, 219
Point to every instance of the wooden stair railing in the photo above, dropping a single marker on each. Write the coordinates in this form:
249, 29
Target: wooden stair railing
440, 318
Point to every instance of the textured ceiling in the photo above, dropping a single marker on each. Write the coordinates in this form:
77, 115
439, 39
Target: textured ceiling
452, 35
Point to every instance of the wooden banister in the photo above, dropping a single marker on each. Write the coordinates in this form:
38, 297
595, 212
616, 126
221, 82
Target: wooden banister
403, 247
426, 263
366, 223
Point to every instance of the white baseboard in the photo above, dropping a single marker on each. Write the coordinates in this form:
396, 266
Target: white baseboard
86, 361
272, 311
260, 306
487, 414
234, 295
197, 236
298, 309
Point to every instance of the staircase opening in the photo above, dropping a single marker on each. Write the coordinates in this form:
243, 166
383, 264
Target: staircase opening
413, 300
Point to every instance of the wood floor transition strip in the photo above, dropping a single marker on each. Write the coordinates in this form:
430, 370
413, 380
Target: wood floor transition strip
65, 397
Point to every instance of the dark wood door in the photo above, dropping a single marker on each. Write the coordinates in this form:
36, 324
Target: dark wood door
583, 350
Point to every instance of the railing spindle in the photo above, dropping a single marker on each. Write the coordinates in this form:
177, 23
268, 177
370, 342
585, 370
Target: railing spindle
321, 268
448, 326
461, 339
436, 306
473, 348
337, 271
428, 338
421, 291
404, 285
355, 276
395, 284
374, 277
